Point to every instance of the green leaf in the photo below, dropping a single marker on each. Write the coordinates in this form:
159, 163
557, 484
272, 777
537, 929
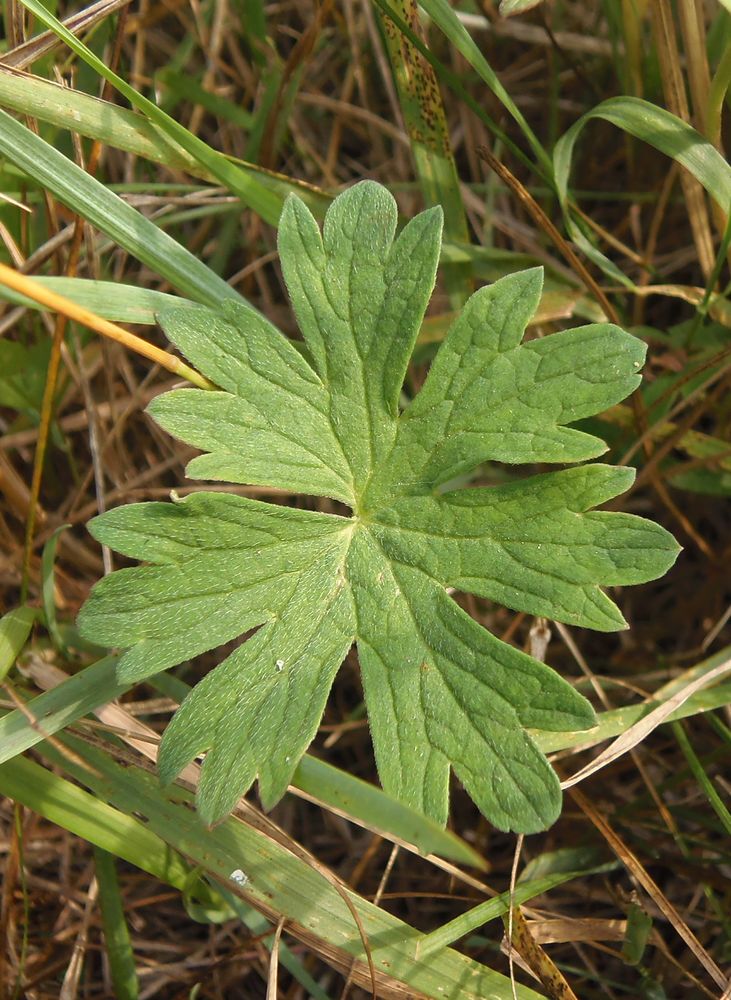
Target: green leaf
442, 692
15, 628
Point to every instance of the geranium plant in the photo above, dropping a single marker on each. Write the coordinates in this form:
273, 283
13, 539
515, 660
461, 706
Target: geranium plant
441, 691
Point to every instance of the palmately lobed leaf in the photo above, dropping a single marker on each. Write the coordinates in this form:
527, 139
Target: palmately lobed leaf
442, 692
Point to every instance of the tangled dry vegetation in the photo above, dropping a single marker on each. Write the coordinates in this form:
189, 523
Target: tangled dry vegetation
312, 96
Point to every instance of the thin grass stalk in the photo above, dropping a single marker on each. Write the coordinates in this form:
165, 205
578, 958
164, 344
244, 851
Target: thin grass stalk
677, 102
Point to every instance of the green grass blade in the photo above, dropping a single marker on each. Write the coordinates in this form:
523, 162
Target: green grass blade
59, 707
659, 128
48, 585
281, 884
126, 130
618, 720
182, 87
246, 187
15, 628
115, 834
116, 932
447, 21
108, 299
74, 809
110, 214
491, 909
353, 798
702, 778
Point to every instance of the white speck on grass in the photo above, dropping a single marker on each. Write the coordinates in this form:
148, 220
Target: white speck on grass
279, 665
239, 877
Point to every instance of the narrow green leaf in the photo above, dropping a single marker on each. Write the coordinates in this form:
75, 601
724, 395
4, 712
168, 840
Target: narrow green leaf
659, 128
48, 585
442, 692
15, 628
183, 87
241, 183
123, 835
511, 8
699, 772
364, 803
116, 933
62, 705
127, 130
128, 228
492, 909
91, 818
276, 880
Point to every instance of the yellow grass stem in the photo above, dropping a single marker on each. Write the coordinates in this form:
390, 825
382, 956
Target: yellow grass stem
60, 304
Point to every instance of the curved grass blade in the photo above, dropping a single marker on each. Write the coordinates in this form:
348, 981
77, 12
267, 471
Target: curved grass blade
659, 128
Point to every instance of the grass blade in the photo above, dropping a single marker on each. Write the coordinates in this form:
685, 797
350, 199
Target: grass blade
447, 21
248, 188
116, 932
126, 130
659, 128
426, 124
282, 884
702, 778
88, 817
491, 909
110, 214
15, 628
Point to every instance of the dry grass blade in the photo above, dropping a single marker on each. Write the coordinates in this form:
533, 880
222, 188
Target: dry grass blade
273, 977
641, 730
674, 86
637, 870
521, 938
542, 220
27, 53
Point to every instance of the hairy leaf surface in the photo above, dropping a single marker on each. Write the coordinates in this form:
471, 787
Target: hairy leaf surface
442, 692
